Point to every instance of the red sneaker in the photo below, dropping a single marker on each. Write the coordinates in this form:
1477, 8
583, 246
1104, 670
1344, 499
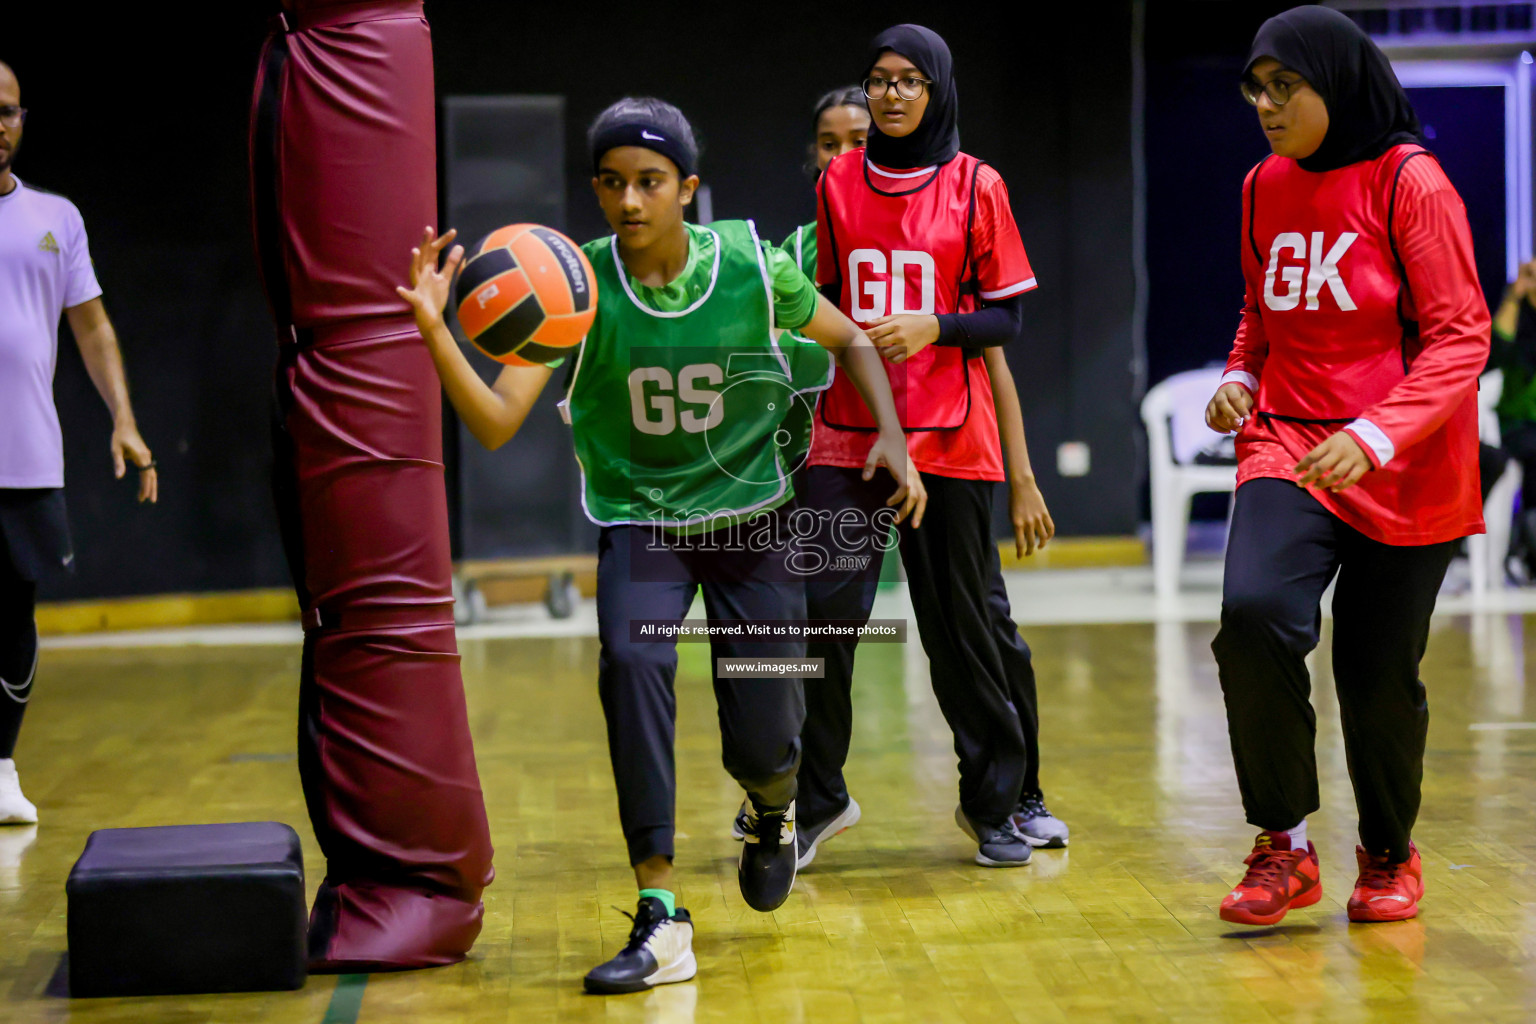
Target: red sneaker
1278, 879
1387, 892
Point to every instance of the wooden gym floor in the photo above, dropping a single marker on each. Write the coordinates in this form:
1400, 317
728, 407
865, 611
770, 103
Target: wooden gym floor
893, 922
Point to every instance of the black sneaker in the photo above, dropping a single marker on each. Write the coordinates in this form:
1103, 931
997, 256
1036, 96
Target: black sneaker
766, 870
659, 950
740, 825
809, 837
1038, 826
995, 847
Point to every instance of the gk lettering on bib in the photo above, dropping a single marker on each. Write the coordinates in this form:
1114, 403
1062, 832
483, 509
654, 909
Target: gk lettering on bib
1322, 270
1330, 290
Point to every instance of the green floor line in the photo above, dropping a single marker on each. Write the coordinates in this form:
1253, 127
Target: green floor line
347, 1000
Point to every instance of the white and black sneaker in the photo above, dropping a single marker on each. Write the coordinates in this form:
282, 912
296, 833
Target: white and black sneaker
659, 950
1038, 826
812, 836
995, 847
766, 870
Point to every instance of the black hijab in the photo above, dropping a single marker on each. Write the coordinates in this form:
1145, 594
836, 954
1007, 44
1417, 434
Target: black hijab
936, 138
1368, 111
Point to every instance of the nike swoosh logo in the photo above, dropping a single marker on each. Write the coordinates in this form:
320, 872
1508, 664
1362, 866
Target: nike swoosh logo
1400, 899
647, 135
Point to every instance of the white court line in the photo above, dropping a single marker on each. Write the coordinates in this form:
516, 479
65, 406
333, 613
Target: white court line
251, 634
1039, 598
1501, 726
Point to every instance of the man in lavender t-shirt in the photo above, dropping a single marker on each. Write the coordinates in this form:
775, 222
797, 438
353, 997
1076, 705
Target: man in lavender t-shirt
45, 270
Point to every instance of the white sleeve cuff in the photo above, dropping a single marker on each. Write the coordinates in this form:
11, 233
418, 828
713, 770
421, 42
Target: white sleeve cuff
1242, 377
1017, 288
1381, 446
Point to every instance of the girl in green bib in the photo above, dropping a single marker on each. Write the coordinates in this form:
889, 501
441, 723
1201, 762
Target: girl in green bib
676, 402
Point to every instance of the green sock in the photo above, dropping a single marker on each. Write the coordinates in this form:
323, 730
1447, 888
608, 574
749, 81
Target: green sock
665, 895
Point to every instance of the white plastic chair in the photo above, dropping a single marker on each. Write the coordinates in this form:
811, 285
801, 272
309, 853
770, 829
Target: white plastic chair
1174, 414
1485, 551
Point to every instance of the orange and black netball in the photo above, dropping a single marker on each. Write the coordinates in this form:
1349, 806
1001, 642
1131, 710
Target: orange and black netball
526, 295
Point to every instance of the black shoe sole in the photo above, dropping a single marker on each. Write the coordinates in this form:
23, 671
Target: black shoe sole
613, 988
599, 987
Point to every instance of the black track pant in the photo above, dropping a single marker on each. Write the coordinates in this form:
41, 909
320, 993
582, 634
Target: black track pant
18, 650
981, 670
1283, 550
34, 545
641, 575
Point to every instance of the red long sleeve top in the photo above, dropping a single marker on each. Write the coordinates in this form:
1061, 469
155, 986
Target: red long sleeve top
1340, 333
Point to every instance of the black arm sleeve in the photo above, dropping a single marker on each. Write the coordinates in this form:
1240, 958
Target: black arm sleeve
994, 324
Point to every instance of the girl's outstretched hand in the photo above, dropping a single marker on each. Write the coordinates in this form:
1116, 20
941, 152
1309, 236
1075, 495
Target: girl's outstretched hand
428, 293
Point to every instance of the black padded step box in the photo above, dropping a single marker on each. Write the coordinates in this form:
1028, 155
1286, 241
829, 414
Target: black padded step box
187, 908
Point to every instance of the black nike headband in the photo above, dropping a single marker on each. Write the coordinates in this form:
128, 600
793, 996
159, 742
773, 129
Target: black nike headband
646, 136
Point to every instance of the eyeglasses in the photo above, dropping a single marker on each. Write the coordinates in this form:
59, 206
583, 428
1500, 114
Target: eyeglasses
11, 117
1278, 91
909, 88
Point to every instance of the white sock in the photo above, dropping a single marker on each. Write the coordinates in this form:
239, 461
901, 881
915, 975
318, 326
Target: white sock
1298, 836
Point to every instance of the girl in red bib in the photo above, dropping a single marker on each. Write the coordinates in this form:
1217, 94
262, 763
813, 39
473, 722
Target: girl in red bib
916, 243
1353, 387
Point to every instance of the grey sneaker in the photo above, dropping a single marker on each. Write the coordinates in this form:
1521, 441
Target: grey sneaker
809, 837
1038, 826
995, 847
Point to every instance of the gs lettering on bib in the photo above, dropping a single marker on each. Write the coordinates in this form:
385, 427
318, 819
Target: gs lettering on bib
654, 410
884, 274
1333, 300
